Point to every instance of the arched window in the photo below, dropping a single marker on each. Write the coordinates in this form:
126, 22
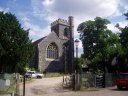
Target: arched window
52, 51
66, 32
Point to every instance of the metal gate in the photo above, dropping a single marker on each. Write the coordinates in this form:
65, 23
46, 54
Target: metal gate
99, 81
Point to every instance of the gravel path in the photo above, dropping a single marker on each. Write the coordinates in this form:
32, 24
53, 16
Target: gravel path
52, 87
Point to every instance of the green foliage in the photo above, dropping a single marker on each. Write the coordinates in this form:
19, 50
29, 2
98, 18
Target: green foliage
99, 43
124, 43
15, 47
124, 40
78, 63
126, 14
89, 35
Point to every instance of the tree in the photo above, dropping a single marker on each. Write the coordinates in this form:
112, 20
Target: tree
124, 44
89, 35
16, 48
99, 43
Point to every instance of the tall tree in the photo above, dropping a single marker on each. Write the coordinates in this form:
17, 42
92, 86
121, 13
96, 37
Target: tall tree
124, 43
15, 46
99, 43
89, 35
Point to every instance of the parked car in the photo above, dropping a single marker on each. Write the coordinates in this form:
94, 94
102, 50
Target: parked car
33, 74
39, 75
122, 80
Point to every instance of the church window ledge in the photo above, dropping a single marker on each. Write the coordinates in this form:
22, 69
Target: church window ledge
51, 59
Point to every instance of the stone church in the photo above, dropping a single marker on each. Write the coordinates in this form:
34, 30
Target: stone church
55, 52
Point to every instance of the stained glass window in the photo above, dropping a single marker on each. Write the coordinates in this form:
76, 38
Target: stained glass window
52, 51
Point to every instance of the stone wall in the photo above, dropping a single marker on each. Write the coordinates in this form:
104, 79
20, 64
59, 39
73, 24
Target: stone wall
51, 65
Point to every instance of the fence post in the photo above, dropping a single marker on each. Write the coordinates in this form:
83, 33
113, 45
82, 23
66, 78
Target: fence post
74, 81
78, 81
95, 80
17, 84
24, 85
12, 94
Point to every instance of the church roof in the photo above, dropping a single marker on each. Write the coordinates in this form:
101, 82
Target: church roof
39, 40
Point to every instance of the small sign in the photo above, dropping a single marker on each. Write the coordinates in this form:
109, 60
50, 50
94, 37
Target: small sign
2, 83
7, 82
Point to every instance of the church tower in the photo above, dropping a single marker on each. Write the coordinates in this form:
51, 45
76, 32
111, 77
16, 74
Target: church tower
63, 28
65, 31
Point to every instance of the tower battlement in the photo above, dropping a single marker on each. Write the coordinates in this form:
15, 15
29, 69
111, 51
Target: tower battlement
60, 21
62, 26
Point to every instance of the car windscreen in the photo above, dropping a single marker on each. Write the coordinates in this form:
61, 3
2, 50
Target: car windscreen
123, 76
30, 72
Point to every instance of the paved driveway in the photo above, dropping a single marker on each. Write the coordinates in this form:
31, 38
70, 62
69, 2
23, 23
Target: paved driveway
52, 87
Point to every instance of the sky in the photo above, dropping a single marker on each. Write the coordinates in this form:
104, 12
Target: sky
37, 15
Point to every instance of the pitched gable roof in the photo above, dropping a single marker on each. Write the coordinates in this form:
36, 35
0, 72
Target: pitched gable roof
39, 40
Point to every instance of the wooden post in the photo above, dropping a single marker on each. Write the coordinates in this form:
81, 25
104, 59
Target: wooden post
17, 84
24, 85
78, 81
75, 81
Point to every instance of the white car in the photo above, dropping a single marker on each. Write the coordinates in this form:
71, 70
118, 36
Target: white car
39, 75
33, 74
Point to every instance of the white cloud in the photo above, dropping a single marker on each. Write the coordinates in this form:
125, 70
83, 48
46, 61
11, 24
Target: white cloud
78, 8
123, 24
25, 19
116, 13
112, 28
47, 2
14, 0
124, 3
4, 9
35, 31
